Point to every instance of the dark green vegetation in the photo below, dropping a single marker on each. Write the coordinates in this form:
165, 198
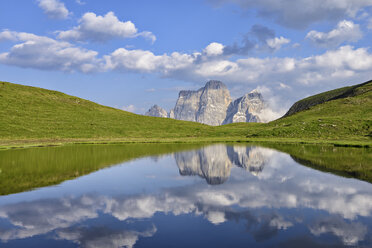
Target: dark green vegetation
38, 116
25, 169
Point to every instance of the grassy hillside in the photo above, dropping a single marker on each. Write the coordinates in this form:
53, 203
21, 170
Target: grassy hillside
327, 96
34, 115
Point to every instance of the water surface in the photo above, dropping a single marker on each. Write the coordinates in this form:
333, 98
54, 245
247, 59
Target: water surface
213, 196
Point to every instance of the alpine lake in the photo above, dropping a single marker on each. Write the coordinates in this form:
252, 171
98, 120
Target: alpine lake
179, 195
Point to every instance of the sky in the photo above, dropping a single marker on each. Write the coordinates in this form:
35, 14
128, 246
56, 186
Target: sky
131, 54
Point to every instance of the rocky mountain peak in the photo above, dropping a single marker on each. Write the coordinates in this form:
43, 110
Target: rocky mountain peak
254, 94
215, 84
157, 111
212, 105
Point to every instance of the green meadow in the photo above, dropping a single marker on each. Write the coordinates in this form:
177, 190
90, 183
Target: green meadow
35, 116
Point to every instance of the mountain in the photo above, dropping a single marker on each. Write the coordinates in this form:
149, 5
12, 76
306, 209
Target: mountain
157, 111
212, 105
208, 105
245, 108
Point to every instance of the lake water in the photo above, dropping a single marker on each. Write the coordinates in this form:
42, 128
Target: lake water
212, 196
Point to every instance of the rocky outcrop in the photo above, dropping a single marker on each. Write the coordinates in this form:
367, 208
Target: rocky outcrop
212, 105
171, 114
245, 108
157, 111
207, 105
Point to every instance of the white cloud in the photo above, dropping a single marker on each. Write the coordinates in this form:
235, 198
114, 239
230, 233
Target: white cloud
145, 61
7, 35
129, 108
276, 43
309, 70
102, 28
301, 13
44, 53
54, 9
346, 31
214, 49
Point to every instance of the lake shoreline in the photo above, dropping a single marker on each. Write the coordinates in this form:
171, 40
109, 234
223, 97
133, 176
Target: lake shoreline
29, 143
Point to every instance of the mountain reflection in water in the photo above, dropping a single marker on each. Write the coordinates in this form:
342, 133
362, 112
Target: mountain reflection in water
268, 201
214, 162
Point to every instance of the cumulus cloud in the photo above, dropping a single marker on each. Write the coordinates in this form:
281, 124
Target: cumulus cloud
346, 31
102, 28
312, 70
54, 9
44, 53
214, 49
276, 43
300, 13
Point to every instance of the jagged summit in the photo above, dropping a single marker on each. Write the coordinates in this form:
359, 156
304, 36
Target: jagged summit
215, 84
212, 105
157, 111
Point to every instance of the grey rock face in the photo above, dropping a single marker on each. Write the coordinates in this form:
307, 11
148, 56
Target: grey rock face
245, 108
157, 111
207, 105
214, 101
187, 105
212, 105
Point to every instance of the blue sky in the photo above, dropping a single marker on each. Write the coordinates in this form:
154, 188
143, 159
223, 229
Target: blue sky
132, 54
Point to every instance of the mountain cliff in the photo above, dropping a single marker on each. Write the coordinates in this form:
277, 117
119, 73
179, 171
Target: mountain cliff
212, 105
245, 108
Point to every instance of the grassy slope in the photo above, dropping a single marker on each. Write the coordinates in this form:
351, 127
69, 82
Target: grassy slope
29, 114
339, 93
35, 113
